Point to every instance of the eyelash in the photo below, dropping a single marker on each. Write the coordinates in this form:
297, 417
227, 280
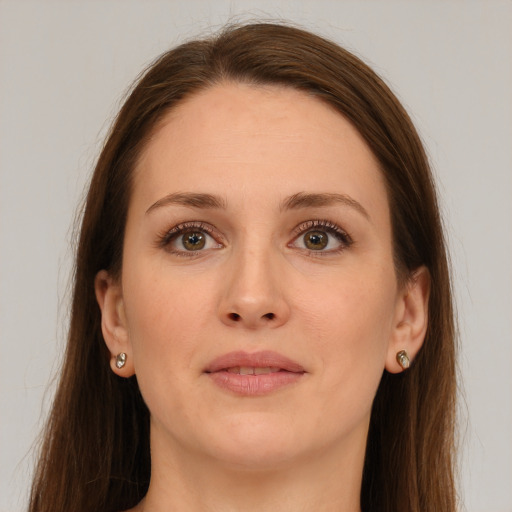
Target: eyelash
331, 228
166, 237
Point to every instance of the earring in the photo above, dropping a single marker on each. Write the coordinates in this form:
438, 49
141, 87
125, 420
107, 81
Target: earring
120, 360
403, 359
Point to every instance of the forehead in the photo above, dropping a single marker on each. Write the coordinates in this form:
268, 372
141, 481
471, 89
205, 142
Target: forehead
242, 139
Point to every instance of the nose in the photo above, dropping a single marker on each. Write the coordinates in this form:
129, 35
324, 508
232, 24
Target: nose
254, 292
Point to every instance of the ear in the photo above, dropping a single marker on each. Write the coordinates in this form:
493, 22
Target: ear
113, 321
411, 319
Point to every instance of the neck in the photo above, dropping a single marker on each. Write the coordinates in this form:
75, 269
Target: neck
326, 482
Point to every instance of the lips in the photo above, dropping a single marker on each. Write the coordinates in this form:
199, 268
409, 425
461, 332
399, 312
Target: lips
251, 370
263, 359
254, 374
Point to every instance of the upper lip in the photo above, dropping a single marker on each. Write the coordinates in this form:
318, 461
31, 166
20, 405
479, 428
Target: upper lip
262, 359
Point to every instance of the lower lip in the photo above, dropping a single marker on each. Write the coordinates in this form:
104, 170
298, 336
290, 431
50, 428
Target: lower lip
254, 385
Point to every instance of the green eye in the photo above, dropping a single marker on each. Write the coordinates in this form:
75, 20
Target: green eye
193, 240
316, 240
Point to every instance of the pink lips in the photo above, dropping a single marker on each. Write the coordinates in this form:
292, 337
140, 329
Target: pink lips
253, 374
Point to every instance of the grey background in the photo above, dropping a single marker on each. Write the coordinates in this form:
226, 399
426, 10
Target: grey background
64, 66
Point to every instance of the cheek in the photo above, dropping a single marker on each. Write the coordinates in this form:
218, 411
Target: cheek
350, 323
350, 331
164, 310
167, 319
349, 307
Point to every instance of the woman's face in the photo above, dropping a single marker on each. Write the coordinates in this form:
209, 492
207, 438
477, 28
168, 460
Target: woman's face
258, 302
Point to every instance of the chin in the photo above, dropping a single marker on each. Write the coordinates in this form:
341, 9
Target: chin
254, 443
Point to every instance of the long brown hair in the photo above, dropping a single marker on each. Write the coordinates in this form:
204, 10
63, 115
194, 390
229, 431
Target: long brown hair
95, 455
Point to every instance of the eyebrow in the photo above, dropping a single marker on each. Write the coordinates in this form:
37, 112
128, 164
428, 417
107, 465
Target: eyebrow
306, 200
294, 202
193, 200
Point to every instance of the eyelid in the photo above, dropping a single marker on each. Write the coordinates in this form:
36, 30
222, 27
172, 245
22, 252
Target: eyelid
167, 236
331, 227
314, 223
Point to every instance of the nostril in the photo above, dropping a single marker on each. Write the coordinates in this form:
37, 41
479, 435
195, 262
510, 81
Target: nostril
234, 316
269, 316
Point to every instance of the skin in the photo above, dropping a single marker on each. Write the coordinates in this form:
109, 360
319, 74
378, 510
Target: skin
338, 311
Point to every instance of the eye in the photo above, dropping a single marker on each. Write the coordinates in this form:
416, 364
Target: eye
316, 240
188, 239
321, 236
193, 240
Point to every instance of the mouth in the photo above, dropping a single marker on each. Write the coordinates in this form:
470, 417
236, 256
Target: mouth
251, 370
265, 361
254, 374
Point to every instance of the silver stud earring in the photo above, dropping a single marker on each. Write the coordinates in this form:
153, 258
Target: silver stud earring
403, 359
120, 360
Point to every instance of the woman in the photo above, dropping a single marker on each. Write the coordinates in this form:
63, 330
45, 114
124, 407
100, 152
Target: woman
275, 327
